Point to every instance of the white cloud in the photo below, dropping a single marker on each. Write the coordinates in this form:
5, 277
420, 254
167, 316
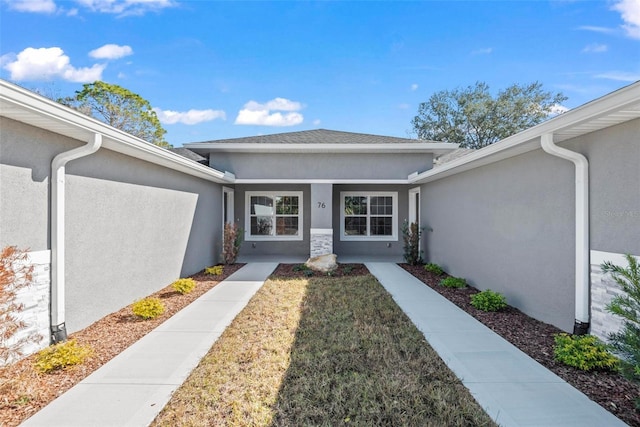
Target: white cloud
558, 109
414, 87
33, 6
483, 51
621, 76
255, 113
111, 51
317, 122
49, 63
191, 117
593, 28
630, 13
595, 48
126, 7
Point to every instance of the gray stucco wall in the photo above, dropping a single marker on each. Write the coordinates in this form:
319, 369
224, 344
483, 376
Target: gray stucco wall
321, 165
132, 227
614, 192
508, 227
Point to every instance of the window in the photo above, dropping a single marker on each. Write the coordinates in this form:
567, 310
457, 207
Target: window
369, 216
273, 216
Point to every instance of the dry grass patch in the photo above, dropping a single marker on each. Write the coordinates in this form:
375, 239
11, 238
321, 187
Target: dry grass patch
323, 351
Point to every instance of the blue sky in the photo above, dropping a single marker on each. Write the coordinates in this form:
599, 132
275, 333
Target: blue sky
224, 69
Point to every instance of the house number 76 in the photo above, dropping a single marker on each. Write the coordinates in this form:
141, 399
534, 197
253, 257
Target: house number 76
321, 205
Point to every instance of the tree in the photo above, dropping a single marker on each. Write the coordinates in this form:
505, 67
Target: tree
472, 118
120, 108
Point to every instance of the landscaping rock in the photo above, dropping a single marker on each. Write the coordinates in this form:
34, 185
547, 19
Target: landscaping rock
323, 263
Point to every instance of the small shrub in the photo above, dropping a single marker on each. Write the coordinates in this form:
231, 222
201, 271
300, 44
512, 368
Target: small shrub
308, 273
231, 243
61, 355
585, 352
411, 237
184, 286
301, 267
347, 269
488, 301
216, 270
434, 268
453, 282
148, 308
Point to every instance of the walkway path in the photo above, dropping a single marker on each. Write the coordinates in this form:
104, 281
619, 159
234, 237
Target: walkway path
514, 389
132, 388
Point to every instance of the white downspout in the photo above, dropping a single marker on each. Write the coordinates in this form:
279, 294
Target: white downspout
582, 263
58, 328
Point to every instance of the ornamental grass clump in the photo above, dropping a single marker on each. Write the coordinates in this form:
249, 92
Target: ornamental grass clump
489, 300
61, 355
215, 270
453, 282
148, 308
585, 352
184, 286
434, 268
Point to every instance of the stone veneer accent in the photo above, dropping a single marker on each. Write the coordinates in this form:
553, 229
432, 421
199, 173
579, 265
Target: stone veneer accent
603, 289
36, 301
321, 241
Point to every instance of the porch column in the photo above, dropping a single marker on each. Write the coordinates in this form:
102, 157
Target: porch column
321, 233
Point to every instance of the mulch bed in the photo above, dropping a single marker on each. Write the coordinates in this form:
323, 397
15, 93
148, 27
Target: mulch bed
298, 271
24, 391
610, 390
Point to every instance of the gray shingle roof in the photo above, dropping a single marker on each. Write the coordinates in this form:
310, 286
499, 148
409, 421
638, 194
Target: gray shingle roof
317, 136
191, 155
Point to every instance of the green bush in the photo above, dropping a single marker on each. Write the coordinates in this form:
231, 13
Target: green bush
489, 301
301, 267
184, 286
585, 352
411, 237
215, 270
434, 268
148, 308
453, 282
308, 273
61, 355
626, 342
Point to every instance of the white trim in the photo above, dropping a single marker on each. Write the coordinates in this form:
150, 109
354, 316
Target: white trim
273, 238
617, 107
598, 257
25, 106
394, 216
317, 231
412, 205
318, 181
437, 148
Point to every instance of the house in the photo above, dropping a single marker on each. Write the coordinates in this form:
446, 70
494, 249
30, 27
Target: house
109, 218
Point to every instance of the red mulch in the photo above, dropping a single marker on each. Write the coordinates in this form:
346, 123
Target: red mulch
24, 391
610, 390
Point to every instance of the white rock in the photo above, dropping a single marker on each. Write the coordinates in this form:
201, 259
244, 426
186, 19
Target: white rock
323, 263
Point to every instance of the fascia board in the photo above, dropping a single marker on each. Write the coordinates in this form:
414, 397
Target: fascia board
529, 139
437, 148
38, 111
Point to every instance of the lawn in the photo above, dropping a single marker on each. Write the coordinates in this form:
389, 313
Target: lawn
322, 351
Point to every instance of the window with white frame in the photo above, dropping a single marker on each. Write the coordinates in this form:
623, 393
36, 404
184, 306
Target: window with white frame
368, 215
273, 215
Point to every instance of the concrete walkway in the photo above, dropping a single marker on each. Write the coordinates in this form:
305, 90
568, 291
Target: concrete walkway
132, 388
514, 389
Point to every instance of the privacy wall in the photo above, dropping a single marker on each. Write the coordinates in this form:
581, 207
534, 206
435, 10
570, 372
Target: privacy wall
132, 227
509, 226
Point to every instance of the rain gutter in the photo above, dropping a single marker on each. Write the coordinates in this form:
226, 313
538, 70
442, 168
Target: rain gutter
582, 263
58, 327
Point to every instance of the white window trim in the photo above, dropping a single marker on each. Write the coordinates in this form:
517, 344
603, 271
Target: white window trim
394, 217
247, 215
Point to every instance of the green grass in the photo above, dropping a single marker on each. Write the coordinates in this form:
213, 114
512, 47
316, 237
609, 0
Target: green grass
322, 351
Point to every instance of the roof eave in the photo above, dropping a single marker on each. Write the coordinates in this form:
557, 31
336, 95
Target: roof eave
612, 109
27, 107
436, 148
